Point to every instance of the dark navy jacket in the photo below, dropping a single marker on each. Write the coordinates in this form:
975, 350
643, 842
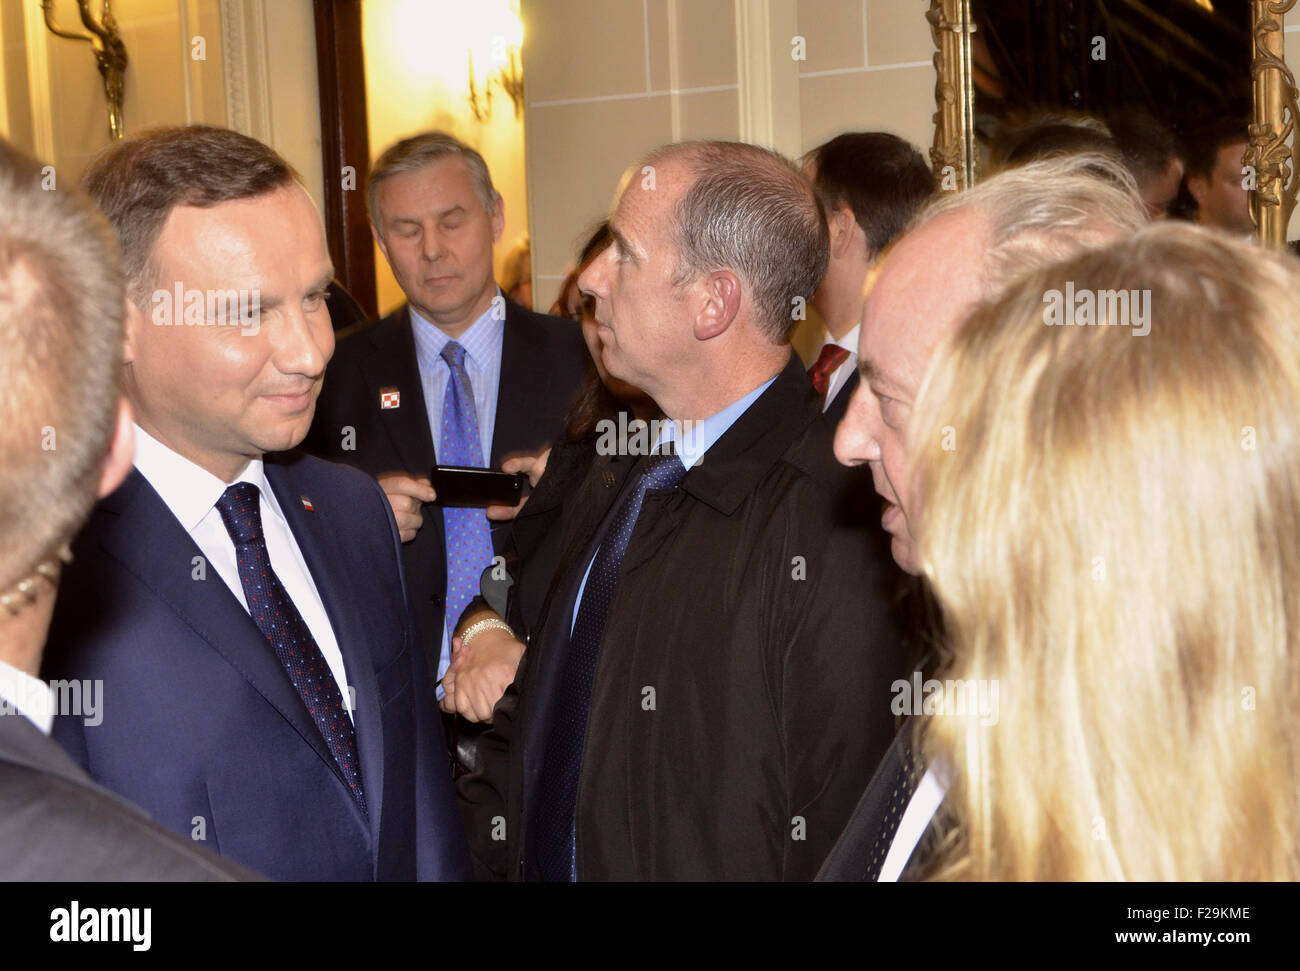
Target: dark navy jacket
200, 723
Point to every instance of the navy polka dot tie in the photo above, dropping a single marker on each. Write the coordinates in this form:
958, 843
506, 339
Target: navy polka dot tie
556, 814
291, 639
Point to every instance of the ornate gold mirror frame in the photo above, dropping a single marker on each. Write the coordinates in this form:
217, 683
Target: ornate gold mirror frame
1272, 131
953, 154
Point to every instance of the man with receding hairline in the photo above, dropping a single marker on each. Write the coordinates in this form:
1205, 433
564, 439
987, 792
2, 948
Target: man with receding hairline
708, 688
460, 375
975, 243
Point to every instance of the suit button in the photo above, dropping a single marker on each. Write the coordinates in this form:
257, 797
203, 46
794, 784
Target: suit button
607, 477
435, 599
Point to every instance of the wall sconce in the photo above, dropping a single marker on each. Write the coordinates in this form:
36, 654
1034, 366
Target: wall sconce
509, 77
110, 54
500, 22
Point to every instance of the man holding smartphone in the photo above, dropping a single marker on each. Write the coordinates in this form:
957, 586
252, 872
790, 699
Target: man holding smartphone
460, 376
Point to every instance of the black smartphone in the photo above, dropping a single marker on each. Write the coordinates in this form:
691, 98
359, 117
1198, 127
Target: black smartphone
457, 485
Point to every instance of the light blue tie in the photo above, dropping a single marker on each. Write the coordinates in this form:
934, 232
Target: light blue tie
469, 539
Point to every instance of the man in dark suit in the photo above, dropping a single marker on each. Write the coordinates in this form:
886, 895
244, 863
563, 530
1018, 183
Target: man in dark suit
870, 185
61, 307
267, 694
459, 376
708, 691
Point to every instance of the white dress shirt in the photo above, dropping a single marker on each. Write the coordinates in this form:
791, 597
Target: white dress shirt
28, 696
841, 374
191, 493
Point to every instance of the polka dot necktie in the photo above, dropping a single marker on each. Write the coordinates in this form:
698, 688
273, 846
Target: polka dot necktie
291, 639
831, 357
469, 539
556, 814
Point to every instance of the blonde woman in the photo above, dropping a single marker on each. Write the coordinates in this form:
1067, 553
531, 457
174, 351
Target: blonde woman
1110, 518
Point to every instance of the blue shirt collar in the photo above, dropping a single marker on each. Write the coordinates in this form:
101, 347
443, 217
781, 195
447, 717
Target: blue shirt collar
485, 332
699, 436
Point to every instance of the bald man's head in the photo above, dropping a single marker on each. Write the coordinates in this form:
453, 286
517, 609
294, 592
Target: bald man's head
965, 249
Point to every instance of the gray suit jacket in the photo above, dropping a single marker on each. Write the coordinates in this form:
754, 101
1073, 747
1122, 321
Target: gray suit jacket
56, 824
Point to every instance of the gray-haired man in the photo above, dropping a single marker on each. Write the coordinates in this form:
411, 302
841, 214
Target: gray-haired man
460, 375
975, 244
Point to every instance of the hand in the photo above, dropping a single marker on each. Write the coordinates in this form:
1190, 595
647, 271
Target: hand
406, 494
479, 674
533, 466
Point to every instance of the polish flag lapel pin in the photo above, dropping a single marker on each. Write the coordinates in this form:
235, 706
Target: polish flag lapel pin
390, 398
307, 504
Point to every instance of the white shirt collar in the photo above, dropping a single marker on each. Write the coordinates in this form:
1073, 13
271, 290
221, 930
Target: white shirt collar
189, 490
849, 341
28, 696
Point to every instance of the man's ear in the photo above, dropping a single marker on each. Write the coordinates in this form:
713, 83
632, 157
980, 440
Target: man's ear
721, 304
498, 219
842, 225
134, 319
121, 451
379, 239
1199, 187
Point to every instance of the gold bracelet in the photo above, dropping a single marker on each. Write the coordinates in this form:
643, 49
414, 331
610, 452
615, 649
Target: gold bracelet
479, 626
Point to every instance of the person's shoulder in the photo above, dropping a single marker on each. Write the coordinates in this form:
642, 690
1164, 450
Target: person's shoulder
361, 338
326, 478
812, 452
828, 498
54, 828
558, 332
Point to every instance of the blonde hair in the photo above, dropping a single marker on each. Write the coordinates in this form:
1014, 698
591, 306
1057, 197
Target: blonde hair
1111, 524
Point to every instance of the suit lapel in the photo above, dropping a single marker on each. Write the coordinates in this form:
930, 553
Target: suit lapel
394, 366
149, 542
867, 831
593, 499
600, 491
840, 403
659, 517
325, 557
524, 377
